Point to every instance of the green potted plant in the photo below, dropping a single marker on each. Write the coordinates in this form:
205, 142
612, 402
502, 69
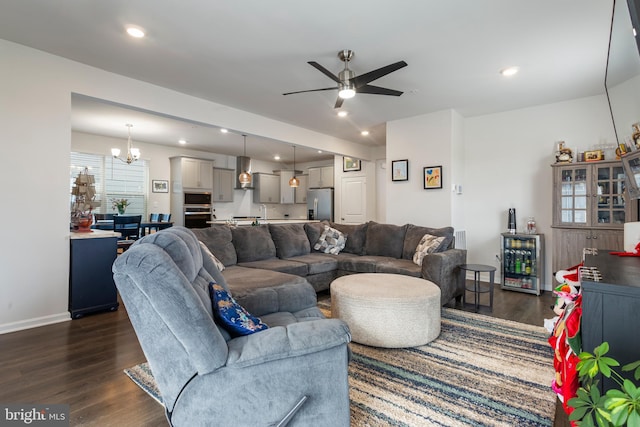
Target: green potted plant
618, 406
120, 205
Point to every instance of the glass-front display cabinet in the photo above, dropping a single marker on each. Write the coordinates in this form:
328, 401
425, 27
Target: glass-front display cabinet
522, 266
590, 195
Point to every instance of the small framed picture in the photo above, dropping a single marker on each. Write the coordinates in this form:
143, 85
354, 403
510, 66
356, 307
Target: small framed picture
159, 186
350, 164
432, 177
400, 170
593, 156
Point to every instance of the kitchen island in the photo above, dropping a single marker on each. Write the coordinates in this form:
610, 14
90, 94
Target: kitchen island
250, 221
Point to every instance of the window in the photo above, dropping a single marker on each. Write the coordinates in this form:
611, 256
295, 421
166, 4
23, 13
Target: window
114, 180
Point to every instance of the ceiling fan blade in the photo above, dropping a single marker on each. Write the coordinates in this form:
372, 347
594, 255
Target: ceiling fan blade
376, 74
311, 90
376, 90
324, 71
339, 102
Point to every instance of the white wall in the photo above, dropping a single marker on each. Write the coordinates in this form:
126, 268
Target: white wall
35, 116
501, 160
425, 140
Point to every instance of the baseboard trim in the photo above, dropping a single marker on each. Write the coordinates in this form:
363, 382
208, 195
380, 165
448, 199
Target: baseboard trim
34, 323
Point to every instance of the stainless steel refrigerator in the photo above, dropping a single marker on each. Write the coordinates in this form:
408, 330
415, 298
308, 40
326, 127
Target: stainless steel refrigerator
320, 203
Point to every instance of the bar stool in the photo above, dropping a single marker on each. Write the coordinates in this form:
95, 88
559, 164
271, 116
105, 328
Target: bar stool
477, 287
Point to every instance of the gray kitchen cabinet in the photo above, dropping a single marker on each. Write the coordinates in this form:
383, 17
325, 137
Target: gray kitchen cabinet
191, 173
267, 188
223, 180
287, 193
321, 177
301, 191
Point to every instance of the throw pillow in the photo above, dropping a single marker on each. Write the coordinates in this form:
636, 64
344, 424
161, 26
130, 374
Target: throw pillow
331, 241
428, 244
234, 318
211, 256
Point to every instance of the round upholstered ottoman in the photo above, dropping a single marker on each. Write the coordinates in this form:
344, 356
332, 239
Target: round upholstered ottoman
387, 310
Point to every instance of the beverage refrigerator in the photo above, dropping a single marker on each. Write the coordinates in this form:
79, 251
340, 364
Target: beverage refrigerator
320, 204
522, 262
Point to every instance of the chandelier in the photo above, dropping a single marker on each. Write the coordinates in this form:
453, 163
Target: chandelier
245, 177
294, 182
133, 154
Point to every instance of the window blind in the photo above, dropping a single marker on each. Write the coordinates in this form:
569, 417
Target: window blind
114, 179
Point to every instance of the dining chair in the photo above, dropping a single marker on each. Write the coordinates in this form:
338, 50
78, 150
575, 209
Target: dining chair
165, 217
129, 228
154, 217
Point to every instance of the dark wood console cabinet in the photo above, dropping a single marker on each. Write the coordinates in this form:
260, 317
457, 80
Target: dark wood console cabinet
611, 307
91, 286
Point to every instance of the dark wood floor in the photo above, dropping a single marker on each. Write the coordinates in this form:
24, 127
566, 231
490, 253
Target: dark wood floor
81, 363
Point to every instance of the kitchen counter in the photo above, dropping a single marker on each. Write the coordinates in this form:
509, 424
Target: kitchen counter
262, 221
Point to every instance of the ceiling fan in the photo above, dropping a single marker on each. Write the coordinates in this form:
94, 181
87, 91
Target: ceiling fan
349, 84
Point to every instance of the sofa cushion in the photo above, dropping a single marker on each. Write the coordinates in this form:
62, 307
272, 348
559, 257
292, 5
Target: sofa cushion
317, 263
385, 239
415, 233
428, 244
290, 240
331, 241
233, 317
398, 266
217, 238
355, 234
207, 253
314, 230
253, 243
243, 281
277, 264
358, 263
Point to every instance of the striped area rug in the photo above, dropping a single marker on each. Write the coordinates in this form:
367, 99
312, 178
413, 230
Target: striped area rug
480, 371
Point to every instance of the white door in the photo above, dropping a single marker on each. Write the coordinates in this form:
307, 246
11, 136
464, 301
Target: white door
353, 201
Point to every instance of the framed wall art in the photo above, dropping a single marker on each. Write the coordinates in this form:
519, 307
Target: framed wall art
400, 170
432, 177
159, 186
350, 164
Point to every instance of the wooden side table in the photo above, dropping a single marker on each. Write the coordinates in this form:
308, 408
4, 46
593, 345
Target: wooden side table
477, 288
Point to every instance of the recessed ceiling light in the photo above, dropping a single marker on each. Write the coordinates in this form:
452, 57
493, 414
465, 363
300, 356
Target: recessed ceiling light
509, 71
182, 141
342, 113
276, 157
135, 32
319, 151
224, 130
364, 133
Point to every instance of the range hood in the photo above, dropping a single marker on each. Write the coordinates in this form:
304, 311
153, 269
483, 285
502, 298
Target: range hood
243, 163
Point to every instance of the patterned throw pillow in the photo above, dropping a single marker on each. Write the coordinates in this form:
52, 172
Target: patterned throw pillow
234, 318
428, 244
331, 241
215, 260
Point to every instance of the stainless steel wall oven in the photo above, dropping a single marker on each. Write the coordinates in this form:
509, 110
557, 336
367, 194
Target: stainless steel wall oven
197, 209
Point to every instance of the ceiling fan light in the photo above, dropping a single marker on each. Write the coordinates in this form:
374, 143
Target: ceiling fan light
294, 182
346, 92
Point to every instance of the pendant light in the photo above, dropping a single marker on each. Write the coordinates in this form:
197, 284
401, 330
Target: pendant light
244, 177
294, 182
133, 154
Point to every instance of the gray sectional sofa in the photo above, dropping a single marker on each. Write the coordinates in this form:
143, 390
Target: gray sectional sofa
279, 254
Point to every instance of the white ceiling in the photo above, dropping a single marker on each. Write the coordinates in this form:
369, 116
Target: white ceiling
245, 54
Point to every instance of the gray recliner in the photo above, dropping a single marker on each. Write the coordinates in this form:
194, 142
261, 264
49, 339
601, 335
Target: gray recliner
295, 371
